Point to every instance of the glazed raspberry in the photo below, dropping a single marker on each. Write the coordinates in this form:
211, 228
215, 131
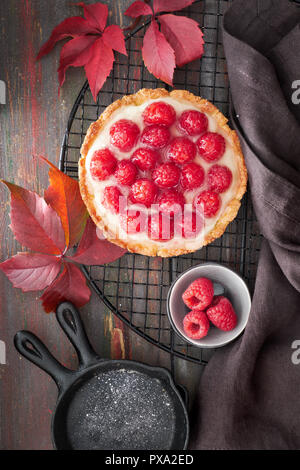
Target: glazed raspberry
160, 227
219, 178
199, 294
211, 146
207, 202
193, 122
192, 176
110, 200
189, 225
171, 202
221, 313
126, 172
124, 134
196, 324
181, 150
145, 159
156, 136
133, 221
143, 191
159, 113
103, 164
166, 175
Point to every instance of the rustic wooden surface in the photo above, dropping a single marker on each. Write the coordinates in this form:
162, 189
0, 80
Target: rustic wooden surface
32, 122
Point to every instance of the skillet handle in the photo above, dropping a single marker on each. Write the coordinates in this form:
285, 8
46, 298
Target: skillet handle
29, 346
70, 321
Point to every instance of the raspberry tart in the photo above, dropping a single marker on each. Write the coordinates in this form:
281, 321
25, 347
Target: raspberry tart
161, 173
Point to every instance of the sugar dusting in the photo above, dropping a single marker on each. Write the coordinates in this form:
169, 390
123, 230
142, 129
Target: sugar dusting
121, 410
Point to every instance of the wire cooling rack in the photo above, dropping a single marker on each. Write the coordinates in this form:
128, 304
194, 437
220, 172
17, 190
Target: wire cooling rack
135, 287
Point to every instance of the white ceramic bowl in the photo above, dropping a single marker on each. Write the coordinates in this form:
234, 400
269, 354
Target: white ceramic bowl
235, 289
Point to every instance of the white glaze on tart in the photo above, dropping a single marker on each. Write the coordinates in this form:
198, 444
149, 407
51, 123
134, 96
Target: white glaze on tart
94, 188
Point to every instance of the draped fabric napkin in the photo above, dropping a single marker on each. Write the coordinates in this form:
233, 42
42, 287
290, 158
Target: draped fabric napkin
249, 391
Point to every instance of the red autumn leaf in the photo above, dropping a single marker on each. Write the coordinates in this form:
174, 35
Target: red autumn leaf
91, 47
71, 27
31, 271
96, 14
179, 41
40, 226
69, 286
114, 38
34, 223
137, 9
63, 195
185, 37
158, 55
99, 66
173, 5
75, 53
93, 250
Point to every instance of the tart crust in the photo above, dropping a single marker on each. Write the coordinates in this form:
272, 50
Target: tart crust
149, 247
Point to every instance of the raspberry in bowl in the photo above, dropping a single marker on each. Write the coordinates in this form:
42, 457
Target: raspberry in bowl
208, 305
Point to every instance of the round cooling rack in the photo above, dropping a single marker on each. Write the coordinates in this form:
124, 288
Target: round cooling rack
135, 287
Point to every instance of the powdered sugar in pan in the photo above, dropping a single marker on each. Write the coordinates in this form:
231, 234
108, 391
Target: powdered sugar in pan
121, 409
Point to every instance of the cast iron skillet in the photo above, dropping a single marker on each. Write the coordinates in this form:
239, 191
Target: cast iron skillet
108, 404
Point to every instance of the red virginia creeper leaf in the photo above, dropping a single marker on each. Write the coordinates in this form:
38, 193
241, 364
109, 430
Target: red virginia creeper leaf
185, 37
71, 27
63, 195
114, 38
99, 66
96, 14
158, 55
34, 223
31, 271
92, 250
170, 5
137, 9
74, 53
92, 45
69, 286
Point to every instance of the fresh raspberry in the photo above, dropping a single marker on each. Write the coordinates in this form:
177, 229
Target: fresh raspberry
159, 113
156, 136
160, 227
207, 202
189, 225
211, 146
196, 324
171, 202
181, 150
110, 200
222, 314
193, 122
143, 191
166, 175
219, 178
199, 294
133, 221
126, 172
124, 134
103, 164
192, 176
145, 159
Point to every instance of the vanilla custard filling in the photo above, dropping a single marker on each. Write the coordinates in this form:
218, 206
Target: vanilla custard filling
96, 188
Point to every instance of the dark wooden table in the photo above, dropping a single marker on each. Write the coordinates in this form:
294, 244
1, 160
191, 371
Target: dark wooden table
33, 122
